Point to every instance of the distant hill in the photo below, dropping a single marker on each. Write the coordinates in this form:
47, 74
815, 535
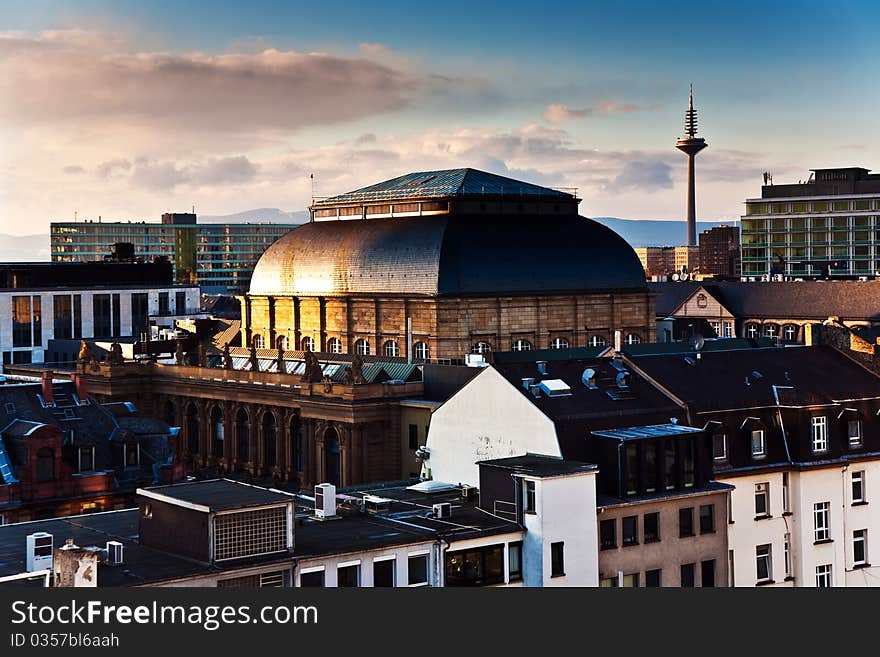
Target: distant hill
260, 215
24, 248
652, 232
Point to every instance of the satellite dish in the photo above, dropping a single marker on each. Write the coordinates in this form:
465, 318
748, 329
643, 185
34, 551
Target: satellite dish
684, 275
697, 342
675, 277
588, 378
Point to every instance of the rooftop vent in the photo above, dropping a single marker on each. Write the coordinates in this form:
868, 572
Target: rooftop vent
39, 551
555, 388
617, 364
325, 501
535, 389
442, 510
376, 504
622, 380
527, 382
588, 378
115, 552
542, 367
468, 492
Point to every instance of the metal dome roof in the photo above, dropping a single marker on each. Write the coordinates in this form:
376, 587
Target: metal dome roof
452, 255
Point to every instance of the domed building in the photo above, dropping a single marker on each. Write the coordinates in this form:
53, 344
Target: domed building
436, 265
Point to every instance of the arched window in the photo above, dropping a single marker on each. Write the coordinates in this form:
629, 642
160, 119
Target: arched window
45, 464
632, 338
331, 457
281, 342
217, 432
391, 349
243, 435
362, 347
334, 346
308, 343
789, 333
481, 348
192, 428
269, 442
559, 343
521, 345
257, 341
751, 330
771, 330
597, 341
422, 351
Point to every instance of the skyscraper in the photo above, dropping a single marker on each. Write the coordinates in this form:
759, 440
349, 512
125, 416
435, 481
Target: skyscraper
690, 144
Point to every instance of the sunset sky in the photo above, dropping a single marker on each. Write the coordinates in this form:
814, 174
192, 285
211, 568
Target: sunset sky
127, 109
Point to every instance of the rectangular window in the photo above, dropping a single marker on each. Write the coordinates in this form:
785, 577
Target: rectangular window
417, 570
631, 581
687, 575
140, 322
686, 522
348, 576
707, 518
62, 309
38, 321
854, 432
759, 447
132, 455
77, 316
762, 500
858, 486
529, 502
669, 468
608, 534
719, 446
763, 554
687, 457
728, 329
557, 559
86, 459
383, 573
116, 325
21, 322
414, 436
651, 527
649, 450
823, 576
180, 302
312, 578
786, 508
652, 578
860, 547
819, 433
102, 316
786, 547
632, 468
164, 308
707, 573
514, 561
480, 566
608, 583
821, 511
630, 533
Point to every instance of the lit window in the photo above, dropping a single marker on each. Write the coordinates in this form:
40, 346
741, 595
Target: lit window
334, 346
819, 433
763, 563
821, 511
823, 576
422, 351
481, 348
257, 341
559, 343
632, 338
759, 446
860, 547
854, 432
362, 347
308, 343
391, 349
597, 341
789, 333
728, 329
752, 330
770, 330
521, 345
858, 486
631, 581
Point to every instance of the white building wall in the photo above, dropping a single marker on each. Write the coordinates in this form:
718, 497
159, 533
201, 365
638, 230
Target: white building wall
565, 512
487, 419
366, 559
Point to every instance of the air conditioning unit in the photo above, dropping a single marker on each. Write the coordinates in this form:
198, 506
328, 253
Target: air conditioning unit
39, 551
114, 552
442, 510
325, 501
376, 504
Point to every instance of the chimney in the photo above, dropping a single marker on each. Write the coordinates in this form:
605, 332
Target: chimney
75, 566
79, 383
46, 388
618, 339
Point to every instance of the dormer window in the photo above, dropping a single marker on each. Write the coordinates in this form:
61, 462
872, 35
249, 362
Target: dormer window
759, 444
854, 433
86, 462
819, 433
719, 446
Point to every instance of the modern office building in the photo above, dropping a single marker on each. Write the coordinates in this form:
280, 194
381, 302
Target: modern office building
824, 227
719, 251
44, 301
661, 261
217, 257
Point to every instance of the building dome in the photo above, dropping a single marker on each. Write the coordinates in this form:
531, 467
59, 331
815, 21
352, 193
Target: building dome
448, 255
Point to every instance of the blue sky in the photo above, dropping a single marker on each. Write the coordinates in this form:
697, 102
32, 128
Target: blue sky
570, 94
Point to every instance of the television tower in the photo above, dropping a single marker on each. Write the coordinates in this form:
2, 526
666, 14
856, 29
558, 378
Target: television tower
690, 145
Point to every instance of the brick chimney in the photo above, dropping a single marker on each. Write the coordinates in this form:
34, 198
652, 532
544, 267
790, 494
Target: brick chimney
79, 384
46, 387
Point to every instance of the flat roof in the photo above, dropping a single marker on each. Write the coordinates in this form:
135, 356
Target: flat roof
540, 465
216, 495
650, 431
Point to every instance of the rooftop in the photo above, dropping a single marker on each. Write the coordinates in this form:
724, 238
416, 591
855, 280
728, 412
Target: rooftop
540, 465
649, 431
216, 495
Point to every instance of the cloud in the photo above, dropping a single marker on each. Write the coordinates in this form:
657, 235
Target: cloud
558, 113
73, 169
165, 175
108, 168
643, 175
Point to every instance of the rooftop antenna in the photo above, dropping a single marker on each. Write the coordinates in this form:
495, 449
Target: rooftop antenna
74, 215
314, 187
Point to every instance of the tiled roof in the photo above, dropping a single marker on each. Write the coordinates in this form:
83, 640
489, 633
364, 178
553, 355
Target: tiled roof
444, 183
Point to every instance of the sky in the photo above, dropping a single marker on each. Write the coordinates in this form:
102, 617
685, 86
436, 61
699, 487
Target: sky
128, 109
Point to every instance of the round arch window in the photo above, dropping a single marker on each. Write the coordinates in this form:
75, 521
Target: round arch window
362, 347
521, 345
391, 349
